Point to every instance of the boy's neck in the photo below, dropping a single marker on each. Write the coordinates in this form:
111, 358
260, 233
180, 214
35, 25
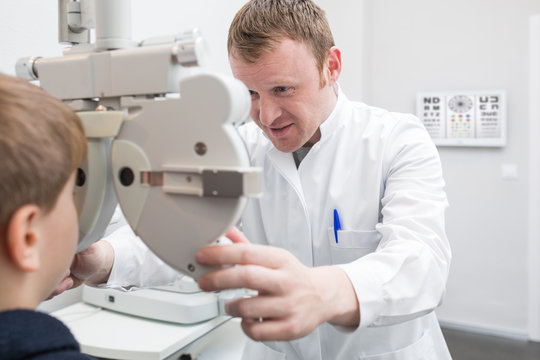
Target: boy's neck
18, 292
13, 304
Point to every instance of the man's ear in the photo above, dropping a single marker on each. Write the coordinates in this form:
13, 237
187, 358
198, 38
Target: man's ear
22, 238
333, 65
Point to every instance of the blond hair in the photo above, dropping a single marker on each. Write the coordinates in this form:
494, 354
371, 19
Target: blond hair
41, 144
261, 24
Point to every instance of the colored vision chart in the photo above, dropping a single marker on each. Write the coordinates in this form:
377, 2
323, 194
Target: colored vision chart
464, 118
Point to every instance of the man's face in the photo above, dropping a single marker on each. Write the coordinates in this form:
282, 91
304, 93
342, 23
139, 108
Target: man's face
287, 100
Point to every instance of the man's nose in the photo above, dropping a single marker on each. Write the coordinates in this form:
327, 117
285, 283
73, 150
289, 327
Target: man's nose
269, 110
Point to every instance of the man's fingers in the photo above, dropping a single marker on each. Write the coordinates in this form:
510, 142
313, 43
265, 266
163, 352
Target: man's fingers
242, 254
236, 236
76, 281
252, 277
65, 284
258, 307
272, 330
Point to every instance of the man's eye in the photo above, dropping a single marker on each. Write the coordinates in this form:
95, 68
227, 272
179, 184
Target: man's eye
283, 90
254, 95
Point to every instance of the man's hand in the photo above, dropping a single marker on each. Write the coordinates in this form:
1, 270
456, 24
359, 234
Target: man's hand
91, 266
292, 299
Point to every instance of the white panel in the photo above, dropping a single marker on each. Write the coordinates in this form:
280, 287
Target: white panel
534, 179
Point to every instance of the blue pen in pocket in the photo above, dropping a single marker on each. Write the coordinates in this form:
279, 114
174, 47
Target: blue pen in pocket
337, 224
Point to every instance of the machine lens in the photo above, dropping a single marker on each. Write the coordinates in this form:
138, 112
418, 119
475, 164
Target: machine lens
81, 177
126, 176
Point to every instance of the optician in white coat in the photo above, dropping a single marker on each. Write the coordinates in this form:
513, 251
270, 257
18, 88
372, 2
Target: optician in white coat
382, 174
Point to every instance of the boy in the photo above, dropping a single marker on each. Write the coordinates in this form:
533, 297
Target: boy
41, 145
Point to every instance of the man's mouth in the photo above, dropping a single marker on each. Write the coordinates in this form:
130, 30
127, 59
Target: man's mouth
280, 131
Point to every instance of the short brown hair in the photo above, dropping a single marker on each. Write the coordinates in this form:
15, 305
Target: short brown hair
41, 144
260, 24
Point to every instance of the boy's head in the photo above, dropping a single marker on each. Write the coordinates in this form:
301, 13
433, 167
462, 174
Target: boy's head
262, 24
41, 144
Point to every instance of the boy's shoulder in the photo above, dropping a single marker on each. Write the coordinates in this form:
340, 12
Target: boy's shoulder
28, 334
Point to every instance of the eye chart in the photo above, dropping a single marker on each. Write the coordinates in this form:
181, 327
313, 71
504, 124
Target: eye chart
464, 118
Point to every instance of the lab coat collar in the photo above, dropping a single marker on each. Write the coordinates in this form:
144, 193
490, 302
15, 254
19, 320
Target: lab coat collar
285, 164
285, 161
334, 120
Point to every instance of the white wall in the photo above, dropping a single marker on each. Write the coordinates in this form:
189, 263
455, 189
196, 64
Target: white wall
426, 45
348, 27
29, 27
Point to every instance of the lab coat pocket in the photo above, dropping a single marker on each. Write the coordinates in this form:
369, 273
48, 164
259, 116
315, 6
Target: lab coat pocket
422, 349
352, 244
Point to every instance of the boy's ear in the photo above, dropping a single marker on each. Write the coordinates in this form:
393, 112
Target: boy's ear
22, 238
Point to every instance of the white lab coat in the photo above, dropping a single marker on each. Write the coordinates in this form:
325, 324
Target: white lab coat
382, 173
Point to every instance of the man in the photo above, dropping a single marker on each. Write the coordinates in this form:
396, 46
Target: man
352, 206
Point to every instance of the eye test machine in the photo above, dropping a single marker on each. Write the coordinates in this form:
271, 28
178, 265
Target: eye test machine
163, 145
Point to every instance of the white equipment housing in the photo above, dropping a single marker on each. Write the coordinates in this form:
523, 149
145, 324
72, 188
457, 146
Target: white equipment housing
162, 142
